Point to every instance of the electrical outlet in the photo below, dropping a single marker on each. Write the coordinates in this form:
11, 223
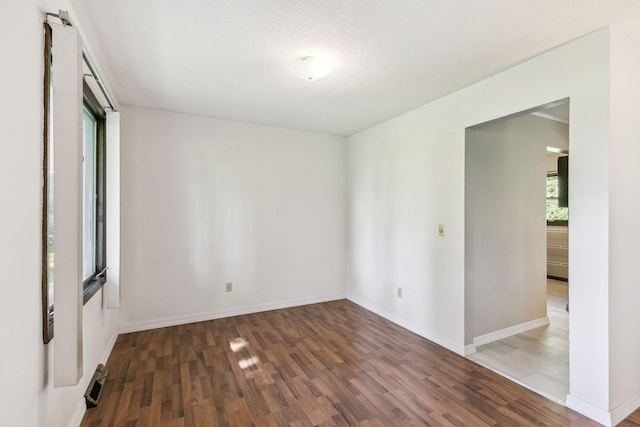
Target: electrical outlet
440, 229
399, 292
229, 286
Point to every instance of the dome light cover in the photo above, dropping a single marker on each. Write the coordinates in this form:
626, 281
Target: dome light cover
310, 69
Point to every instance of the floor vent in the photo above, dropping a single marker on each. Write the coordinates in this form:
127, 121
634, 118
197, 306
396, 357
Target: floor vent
94, 390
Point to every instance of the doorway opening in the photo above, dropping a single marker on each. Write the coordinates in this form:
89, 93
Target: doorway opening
516, 250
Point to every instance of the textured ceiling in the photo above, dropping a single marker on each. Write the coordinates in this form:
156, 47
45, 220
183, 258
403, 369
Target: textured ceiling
231, 58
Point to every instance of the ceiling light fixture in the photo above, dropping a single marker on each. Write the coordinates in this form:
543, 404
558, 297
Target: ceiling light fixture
310, 68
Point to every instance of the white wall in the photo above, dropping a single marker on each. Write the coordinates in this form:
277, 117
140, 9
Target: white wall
209, 201
624, 227
505, 225
400, 188
406, 176
559, 138
65, 406
552, 162
27, 396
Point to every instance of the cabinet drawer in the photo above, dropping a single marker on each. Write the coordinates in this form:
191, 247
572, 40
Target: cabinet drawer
558, 270
558, 254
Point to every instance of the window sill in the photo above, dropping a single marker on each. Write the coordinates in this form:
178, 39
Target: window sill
92, 287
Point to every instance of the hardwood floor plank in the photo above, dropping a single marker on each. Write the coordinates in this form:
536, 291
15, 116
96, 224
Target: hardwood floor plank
330, 364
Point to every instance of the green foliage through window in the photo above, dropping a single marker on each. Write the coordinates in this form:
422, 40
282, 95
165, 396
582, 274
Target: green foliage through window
554, 212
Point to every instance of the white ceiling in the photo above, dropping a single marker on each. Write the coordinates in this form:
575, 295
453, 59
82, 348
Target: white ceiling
231, 58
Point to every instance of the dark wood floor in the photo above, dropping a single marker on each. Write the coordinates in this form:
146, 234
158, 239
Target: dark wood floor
324, 364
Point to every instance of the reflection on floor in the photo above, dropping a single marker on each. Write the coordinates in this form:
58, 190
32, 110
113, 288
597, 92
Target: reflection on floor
539, 358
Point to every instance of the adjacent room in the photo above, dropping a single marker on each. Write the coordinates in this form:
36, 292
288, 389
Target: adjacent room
516, 247
320, 213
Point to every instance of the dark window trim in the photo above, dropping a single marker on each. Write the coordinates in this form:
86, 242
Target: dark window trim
91, 287
92, 284
47, 306
559, 222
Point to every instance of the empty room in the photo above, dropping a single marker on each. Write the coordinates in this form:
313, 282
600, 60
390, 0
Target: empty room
300, 213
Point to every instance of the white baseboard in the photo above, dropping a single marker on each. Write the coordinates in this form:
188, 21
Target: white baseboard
507, 332
202, 317
78, 414
589, 410
80, 410
625, 409
429, 335
469, 349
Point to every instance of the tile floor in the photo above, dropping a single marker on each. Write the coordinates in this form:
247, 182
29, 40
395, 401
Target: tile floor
539, 358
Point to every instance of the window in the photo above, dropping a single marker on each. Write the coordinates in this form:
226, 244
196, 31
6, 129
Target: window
555, 214
93, 196
48, 244
80, 162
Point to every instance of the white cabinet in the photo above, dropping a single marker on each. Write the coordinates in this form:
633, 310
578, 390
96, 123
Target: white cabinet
558, 251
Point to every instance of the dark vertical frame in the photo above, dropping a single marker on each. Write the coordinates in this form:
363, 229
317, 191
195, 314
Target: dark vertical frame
92, 284
47, 305
563, 182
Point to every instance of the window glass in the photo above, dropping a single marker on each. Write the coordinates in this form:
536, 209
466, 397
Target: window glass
554, 212
89, 196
